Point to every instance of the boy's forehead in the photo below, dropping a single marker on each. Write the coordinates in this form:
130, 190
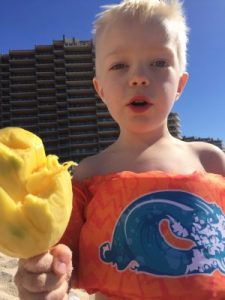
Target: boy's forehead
126, 32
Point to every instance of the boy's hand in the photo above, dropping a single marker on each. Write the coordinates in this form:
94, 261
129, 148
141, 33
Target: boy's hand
46, 276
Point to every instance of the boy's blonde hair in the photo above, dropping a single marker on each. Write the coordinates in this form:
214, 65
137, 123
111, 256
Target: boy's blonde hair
145, 10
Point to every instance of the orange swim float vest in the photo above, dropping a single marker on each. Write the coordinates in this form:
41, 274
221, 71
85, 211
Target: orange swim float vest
152, 235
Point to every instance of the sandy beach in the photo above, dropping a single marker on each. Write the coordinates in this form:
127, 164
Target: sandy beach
7, 270
8, 290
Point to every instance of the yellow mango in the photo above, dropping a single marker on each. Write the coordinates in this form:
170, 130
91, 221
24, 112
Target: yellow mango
35, 195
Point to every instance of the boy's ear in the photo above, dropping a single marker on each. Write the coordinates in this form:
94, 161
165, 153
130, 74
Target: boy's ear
182, 82
98, 88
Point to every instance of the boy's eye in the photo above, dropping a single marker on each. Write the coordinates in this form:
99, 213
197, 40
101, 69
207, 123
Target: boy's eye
118, 66
159, 63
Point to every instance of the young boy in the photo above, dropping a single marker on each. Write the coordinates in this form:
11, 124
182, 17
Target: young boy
144, 208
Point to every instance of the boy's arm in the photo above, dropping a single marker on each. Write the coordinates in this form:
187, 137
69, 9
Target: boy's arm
47, 275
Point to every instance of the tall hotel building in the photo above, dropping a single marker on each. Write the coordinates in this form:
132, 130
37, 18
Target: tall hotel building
48, 90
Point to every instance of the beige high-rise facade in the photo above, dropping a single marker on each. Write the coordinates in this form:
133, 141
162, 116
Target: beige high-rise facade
48, 90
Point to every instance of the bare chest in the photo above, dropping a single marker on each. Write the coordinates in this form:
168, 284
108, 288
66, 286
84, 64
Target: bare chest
170, 160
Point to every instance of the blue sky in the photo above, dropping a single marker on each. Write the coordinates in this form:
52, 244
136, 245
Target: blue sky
26, 23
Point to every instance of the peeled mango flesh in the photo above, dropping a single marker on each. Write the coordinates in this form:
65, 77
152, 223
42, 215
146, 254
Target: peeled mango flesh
35, 195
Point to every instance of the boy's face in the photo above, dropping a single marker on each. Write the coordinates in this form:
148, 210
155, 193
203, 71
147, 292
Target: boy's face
138, 74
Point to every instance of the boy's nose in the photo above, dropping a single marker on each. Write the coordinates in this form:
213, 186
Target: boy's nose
139, 78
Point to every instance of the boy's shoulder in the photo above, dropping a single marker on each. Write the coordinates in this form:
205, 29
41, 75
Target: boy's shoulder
88, 167
211, 156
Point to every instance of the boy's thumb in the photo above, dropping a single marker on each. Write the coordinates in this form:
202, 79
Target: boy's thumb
62, 260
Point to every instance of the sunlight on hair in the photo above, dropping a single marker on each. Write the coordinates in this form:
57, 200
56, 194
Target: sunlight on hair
166, 11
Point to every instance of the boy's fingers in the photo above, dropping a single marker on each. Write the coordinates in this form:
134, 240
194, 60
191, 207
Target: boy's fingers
62, 260
37, 264
39, 283
57, 294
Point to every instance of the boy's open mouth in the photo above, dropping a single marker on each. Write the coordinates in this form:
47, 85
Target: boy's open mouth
139, 100
139, 103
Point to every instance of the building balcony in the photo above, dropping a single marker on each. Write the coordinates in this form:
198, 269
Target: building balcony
5, 74
61, 96
60, 77
78, 56
59, 61
46, 98
77, 91
21, 87
46, 81
82, 83
48, 131
28, 112
79, 74
105, 131
22, 70
46, 90
23, 102
44, 49
20, 118
60, 85
87, 138
22, 78
81, 127
76, 45
106, 142
81, 100
5, 106
83, 144
82, 107
100, 104
4, 58
105, 122
45, 109
79, 117
46, 74
103, 114
58, 51
44, 56
22, 62
5, 98
82, 110
21, 53
30, 94
48, 124
82, 66
44, 66
5, 88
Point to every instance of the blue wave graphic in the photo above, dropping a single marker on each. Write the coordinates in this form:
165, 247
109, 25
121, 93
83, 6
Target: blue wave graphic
139, 245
